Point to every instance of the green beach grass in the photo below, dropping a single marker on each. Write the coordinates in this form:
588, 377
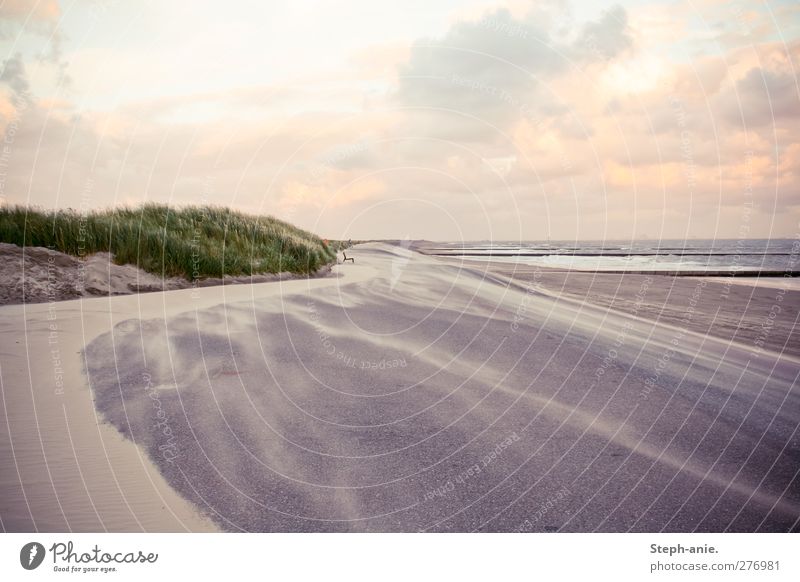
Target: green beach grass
194, 242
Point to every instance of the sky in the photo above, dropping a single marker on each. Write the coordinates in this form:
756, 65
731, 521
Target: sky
446, 120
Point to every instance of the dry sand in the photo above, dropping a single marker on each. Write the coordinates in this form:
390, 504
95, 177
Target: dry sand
405, 393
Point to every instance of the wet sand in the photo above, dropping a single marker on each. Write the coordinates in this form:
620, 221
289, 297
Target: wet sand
764, 317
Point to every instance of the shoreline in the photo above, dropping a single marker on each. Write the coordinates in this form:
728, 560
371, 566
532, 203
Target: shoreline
427, 248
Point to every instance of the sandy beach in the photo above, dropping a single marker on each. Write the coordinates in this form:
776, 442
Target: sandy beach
403, 393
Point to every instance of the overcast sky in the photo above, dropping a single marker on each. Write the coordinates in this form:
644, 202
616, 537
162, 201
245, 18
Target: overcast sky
443, 120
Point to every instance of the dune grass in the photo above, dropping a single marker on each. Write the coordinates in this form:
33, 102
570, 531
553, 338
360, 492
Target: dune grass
194, 242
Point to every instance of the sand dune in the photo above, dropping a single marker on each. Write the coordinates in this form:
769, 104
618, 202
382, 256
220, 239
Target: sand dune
406, 393
41, 275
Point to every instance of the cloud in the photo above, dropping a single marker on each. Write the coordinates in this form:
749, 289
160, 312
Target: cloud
476, 71
607, 37
762, 98
13, 75
41, 20
490, 72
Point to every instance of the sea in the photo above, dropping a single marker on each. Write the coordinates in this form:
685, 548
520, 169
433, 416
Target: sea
756, 257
